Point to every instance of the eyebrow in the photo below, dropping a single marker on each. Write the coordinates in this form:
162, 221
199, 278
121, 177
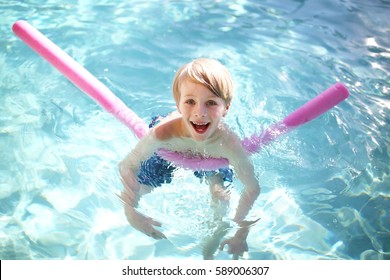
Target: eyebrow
190, 95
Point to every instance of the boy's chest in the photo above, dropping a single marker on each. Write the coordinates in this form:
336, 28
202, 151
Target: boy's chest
195, 149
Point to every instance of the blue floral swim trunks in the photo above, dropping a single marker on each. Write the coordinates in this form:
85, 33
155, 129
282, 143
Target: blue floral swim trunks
156, 171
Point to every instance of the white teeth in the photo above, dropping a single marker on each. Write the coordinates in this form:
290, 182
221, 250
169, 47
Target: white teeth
199, 123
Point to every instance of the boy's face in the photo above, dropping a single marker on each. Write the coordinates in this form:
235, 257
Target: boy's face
201, 110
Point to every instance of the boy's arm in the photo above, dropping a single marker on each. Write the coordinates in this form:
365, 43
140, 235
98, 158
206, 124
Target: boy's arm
128, 170
240, 160
244, 171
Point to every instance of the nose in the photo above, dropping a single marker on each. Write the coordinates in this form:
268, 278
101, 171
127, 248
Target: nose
200, 111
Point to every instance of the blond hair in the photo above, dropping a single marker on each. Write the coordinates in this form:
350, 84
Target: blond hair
207, 72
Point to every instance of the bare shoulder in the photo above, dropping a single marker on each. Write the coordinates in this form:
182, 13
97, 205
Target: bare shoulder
232, 146
170, 127
230, 138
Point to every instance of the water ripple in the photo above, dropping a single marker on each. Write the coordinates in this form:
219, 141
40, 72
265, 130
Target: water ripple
325, 185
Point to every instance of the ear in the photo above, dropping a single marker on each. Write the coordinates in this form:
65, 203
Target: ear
226, 110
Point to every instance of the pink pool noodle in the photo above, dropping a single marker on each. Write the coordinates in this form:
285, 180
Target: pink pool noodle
79, 76
307, 112
84, 80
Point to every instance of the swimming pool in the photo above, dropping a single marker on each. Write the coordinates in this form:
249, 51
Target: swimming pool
325, 187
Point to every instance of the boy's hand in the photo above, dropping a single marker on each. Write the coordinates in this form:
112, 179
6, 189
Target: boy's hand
144, 224
237, 246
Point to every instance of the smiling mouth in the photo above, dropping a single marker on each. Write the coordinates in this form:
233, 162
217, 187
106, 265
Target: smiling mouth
200, 127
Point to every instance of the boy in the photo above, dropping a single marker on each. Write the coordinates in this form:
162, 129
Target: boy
203, 92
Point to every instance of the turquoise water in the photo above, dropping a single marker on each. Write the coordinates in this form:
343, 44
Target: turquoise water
325, 187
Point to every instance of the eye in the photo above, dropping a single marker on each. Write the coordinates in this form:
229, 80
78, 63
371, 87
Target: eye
190, 101
211, 103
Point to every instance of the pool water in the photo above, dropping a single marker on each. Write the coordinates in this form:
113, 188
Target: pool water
325, 186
